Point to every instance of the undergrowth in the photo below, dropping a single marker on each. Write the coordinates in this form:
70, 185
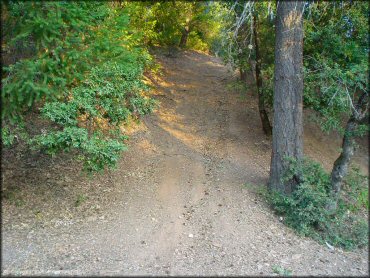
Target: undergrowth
305, 209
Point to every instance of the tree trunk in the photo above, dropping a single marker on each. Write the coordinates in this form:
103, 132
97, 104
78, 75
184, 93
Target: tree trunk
243, 75
287, 135
266, 126
184, 37
340, 168
241, 56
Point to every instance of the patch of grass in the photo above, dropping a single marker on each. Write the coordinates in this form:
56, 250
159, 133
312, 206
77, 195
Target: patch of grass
356, 190
281, 270
19, 202
11, 195
238, 87
38, 215
80, 200
259, 189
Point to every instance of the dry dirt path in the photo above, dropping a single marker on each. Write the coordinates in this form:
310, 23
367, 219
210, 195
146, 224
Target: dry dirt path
177, 204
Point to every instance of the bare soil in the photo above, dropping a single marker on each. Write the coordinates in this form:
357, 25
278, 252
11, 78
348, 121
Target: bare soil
178, 203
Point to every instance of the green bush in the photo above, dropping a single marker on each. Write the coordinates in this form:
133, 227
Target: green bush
305, 209
356, 189
85, 76
111, 94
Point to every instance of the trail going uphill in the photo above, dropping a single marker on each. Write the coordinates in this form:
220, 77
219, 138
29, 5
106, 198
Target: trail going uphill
178, 203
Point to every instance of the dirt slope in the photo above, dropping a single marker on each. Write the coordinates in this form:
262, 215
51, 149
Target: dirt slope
177, 204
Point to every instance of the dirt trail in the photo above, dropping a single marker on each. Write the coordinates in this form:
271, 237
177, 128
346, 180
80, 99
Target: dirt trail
177, 204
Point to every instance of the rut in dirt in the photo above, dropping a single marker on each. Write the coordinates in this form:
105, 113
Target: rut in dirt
178, 203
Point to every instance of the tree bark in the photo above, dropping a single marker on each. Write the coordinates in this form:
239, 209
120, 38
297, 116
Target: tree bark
287, 135
243, 75
241, 56
341, 165
266, 126
184, 37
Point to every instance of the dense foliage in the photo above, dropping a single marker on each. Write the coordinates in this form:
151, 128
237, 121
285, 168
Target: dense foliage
336, 61
81, 65
335, 53
84, 74
168, 23
305, 210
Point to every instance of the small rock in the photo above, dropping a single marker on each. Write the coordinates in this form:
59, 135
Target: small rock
91, 218
59, 182
330, 246
191, 235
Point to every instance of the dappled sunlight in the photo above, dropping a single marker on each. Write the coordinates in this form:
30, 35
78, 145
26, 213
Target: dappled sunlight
198, 120
137, 138
190, 140
292, 19
147, 147
175, 125
214, 64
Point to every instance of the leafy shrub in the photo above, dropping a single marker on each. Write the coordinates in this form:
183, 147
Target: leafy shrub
59, 33
196, 42
110, 95
86, 75
356, 190
11, 133
281, 270
305, 209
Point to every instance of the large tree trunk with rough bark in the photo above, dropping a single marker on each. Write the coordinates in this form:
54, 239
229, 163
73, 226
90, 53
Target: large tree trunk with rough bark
266, 126
287, 135
341, 165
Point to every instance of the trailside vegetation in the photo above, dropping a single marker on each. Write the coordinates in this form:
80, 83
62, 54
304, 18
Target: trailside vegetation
83, 73
79, 66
